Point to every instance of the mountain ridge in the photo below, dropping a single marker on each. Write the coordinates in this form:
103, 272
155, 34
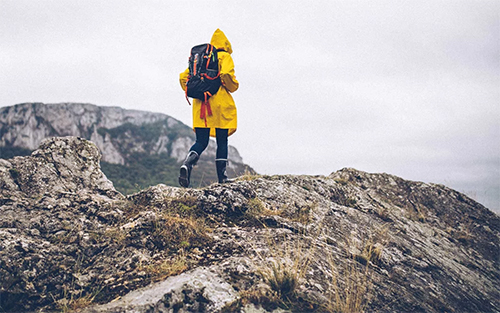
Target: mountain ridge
125, 137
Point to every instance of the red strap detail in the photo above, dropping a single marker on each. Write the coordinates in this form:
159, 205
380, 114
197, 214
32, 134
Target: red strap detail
209, 55
195, 64
208, 77
205, 108
209, 108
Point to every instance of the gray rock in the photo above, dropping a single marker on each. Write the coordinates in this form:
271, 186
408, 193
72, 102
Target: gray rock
68, 239
198, 290
60, 165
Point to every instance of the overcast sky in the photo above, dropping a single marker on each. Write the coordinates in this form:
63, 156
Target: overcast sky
410, 88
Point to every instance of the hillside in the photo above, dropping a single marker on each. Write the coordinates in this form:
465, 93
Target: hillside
348, 242
139, 149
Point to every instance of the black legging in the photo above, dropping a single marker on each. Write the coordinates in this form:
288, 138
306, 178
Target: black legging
202, 137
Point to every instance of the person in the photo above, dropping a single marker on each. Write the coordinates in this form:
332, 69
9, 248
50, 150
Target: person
222, 121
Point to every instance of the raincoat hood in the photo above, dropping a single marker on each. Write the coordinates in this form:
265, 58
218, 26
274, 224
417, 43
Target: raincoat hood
220, 41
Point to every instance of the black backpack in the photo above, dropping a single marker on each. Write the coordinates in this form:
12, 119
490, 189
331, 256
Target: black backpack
204, 77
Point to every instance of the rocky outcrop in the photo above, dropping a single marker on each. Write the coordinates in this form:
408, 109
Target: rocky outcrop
59, 166
347, 242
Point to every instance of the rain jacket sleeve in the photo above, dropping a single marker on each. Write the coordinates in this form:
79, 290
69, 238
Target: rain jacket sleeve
183, 79
227, 73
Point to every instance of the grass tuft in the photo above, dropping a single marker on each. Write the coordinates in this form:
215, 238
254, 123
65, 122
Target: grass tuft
283, 278
352, 278
350, 287
283, 270
162, 269
75, 301
248, 175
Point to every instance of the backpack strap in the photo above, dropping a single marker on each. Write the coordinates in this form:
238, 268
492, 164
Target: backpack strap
208, 55
208, 77
186, 92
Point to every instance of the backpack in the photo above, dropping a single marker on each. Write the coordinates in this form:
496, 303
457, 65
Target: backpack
204, 77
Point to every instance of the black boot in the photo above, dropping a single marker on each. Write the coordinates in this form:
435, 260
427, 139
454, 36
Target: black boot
221, 172
186, 167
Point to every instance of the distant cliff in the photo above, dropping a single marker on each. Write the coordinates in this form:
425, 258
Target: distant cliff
348, 242
134, 144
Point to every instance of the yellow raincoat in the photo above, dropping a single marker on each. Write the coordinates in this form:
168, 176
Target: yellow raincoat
222, 103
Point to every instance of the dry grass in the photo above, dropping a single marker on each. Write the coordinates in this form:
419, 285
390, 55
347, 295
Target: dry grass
350, 287
73, 301
463, 232
373, 246
284, 268
293, 212
166, 268
255, 207
417, 214
255, 295
285, 262
301, 214
73, 298
186, 206
371, 252
248, 175
282, 276
175, 232
129, 208
116, 234
352, 278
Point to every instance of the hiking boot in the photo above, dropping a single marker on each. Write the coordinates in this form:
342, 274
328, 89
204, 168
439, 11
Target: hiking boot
221, 172
186, 167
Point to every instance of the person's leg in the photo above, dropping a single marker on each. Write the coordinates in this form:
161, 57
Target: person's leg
221, 155
202, 137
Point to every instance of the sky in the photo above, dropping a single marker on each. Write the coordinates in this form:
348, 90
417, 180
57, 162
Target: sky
409, 88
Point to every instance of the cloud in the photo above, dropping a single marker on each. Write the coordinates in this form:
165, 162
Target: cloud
408, 88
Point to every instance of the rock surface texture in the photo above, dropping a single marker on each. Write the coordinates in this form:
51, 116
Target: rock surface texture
347, 242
